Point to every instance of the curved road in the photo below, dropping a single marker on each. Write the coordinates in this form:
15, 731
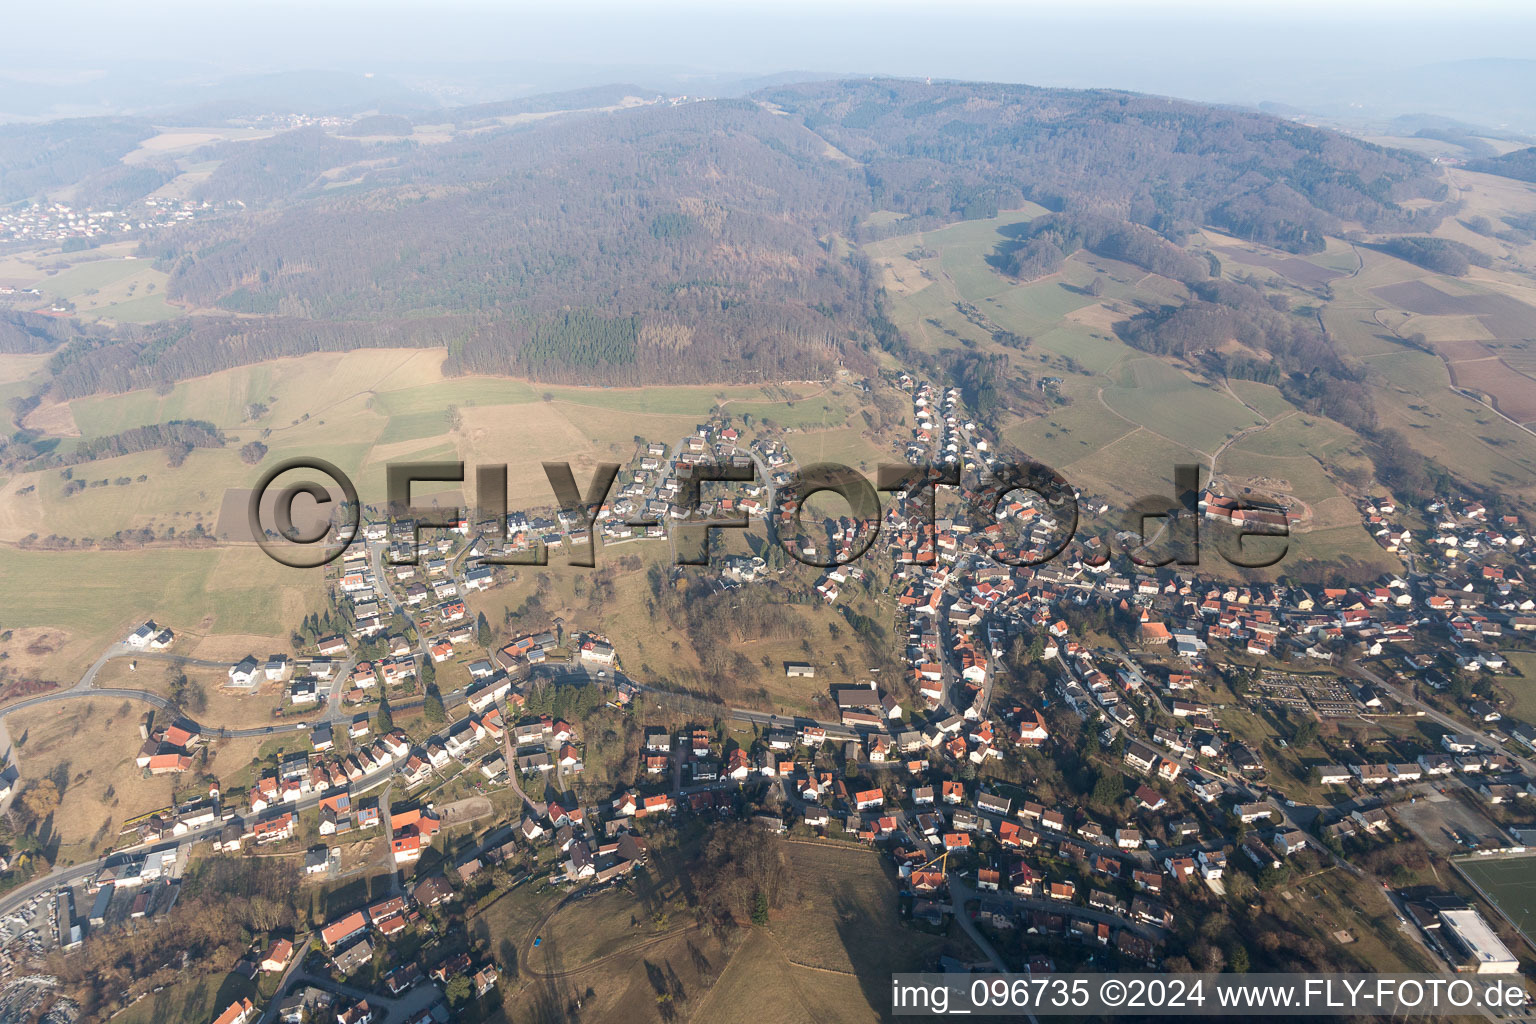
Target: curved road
86, 687
79, 872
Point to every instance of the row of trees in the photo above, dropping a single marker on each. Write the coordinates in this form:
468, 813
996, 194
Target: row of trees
1046, 241
26, 454
1441, 255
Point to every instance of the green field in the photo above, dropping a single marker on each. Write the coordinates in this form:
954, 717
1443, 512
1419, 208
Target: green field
97, 274
1095, 351
1294, 457
142, 310
1510, 883
880, 218
1139, 464
231, 590
1064, 435
1346, 550
847, 446
405, 388
1265, 399
123, 289
1411, 388
360, 411
413, 426
1188, 412
1521, 688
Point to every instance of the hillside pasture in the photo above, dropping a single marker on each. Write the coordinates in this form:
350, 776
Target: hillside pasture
1299, 271
1189, 412
87, 747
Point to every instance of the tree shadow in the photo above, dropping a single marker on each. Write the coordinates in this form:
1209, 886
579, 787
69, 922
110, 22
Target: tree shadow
59, 776
550, 1003
506, 957
870, 967
670, 994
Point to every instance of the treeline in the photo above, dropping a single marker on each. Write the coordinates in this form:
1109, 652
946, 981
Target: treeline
544, 103
984, 381
1459, 135
24, 333
1522, 228
740, 875
120, 540
1407, 472
21, 453
573, 702
1222, 311
1289, 352
581, 338
1047, 241
195, 346
1441, 255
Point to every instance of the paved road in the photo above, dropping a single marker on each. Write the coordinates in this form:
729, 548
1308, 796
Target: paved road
300, 951
1440, 717
380, 586
1150, 932
76, 693
1404, 924
959, 895
80, 872
420, 998
178, 659
86, 687
10, 766
1291, 824
576, 675
764, 477
335, 713
58, 876
509, 755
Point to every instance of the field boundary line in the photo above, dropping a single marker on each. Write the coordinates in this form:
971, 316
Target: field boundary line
1497, 908
809, 967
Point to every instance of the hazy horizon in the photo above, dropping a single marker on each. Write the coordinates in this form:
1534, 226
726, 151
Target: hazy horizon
1372, 59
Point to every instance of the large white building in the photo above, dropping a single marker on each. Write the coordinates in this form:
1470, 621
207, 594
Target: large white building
1474, 937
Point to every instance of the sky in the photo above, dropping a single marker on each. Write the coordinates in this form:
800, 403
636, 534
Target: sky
1199, 49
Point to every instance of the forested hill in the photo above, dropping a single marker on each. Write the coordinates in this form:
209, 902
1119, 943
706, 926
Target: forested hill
953, 150
703, 241
1520, 165
659, 243
35, 158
